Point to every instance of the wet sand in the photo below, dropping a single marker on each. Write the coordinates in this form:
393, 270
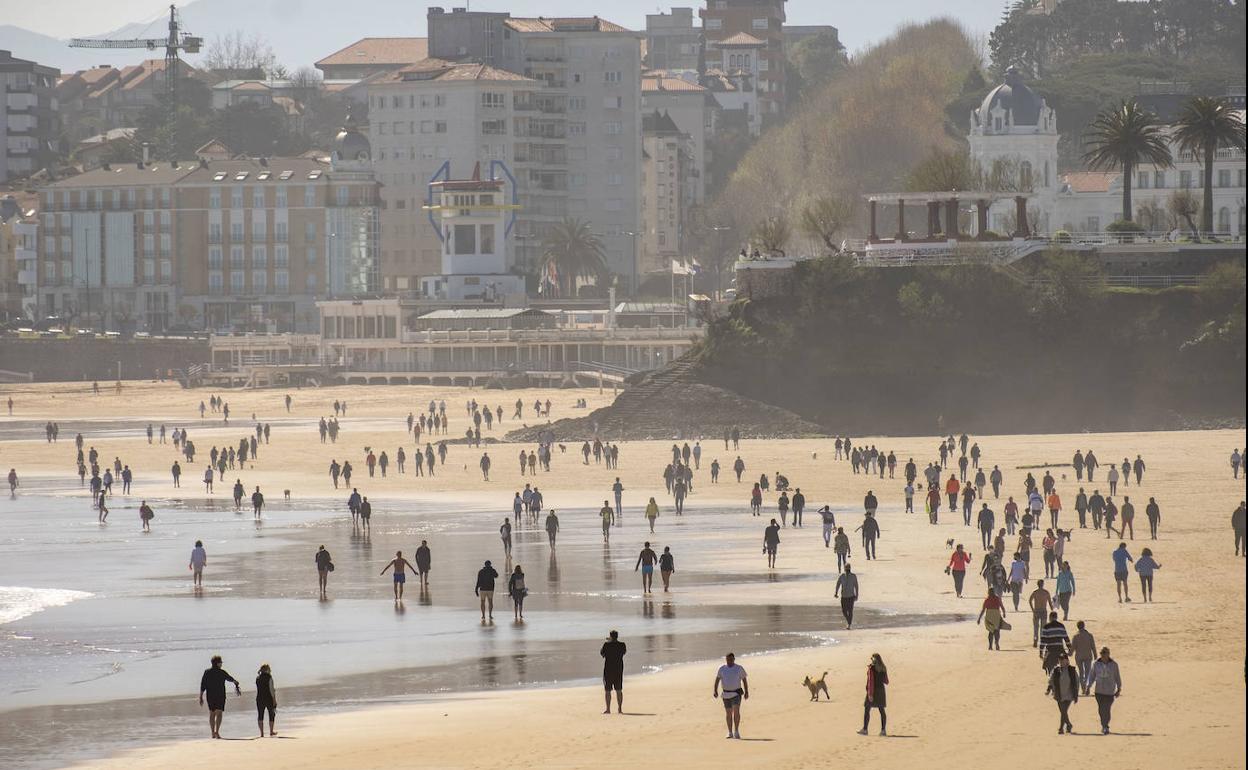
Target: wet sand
1182, 656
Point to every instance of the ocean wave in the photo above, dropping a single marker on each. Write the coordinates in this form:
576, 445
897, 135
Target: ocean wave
17, 602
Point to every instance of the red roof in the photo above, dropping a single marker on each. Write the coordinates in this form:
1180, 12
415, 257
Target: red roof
380, 51
741, 39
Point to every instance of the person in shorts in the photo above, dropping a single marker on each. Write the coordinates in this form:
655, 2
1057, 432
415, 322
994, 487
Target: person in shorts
731, 677
400, 567
645, 562
212, 688
613, 651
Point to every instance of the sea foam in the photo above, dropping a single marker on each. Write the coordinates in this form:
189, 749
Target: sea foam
17, 602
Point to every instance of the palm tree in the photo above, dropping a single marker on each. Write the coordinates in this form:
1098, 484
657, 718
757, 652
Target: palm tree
1123, 137
574, 252
1206, 124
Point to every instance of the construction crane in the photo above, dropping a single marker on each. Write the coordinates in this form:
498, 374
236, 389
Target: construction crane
176, 41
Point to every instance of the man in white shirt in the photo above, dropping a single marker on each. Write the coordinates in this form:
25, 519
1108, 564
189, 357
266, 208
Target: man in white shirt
736, 688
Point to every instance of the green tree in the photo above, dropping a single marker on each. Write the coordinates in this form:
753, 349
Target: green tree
1123, 137
817, 59
1206, 124
575, 253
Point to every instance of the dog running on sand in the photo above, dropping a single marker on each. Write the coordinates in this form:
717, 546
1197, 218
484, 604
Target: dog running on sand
817, 686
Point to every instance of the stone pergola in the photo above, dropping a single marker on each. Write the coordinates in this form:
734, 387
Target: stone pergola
945, 203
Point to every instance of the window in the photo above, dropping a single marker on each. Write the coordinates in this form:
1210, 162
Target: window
1142, 179
214, 232
1224, 218
236, 198
397, 127
615, 179
238, 282
166, 270
281, 281
1224, 180
492, 100
281, 256
259, 256
439, 126
494, 127
309, 230
615, 153
713, 24
763, 64
257, 198
309, 196
465, 239
1185, 179
759, 23
613, 76
311, 255
613, 102
279, 197
310, 283
614, 204
576, 128
426, 126
487, 239
576, 181
259, 281
214, 258
1159, 179
259, 231
576, 103
613, 128
280, 232
236, 257
236, 231
216, 282
214, 198
344, 196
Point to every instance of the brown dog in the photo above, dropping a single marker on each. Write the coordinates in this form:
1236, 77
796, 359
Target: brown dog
817, 686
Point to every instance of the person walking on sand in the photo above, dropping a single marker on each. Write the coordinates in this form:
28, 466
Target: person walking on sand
992, 615
771, 543
1105, 681
736, 686
613, 652
504, 534
840, 545
424, 561
645, 562
1053, 642
212, 687
400, 567
146, 515
738, 467
877, 691
1127, 515
257, 502
1064, 687
847, 590
1065, 588
199, 559
652, 513
667, 565
618, 489
829, 524
958, 561
266, 699
1041, 603
1237, 526
987, 521
324, 566
1153, 512
1084, 646
1145, 566
485, 589
870, 533
1121, 559
1236, 461
517, 591
552, 527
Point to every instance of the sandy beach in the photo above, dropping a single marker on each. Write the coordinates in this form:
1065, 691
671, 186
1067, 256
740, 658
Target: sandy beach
951, 699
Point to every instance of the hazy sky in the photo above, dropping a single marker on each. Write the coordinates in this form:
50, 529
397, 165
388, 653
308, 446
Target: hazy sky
860, 23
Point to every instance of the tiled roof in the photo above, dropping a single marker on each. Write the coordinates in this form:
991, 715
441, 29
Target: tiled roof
1089, 181
468, 313
444, 71
300, 167
380, 50
739, 39
564, 24
129, 174
655, 84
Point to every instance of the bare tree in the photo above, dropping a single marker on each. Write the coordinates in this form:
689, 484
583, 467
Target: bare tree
822, 218
771, 234
237, 52
1183, 204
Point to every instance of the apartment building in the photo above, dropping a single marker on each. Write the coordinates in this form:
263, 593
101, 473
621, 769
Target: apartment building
578, 136
93, 101
695, 111
762, 19
672, 42
218, 244
427, 116
666, 194
19, 228
29, 123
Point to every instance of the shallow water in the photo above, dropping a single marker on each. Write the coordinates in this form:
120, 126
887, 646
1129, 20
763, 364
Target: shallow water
107, 616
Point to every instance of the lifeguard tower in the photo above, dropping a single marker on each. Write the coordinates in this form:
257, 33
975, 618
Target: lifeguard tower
471, 220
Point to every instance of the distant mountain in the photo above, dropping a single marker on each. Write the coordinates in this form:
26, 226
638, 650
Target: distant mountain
55, 53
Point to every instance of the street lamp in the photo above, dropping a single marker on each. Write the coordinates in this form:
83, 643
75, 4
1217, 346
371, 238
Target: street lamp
632, 288
719, 278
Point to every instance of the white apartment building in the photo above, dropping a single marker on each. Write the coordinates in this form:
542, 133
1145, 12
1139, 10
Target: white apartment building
578, 136
696, 113
666, 193
423, 117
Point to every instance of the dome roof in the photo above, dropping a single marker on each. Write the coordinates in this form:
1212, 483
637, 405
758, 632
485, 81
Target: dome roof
350, 144
1013, 96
